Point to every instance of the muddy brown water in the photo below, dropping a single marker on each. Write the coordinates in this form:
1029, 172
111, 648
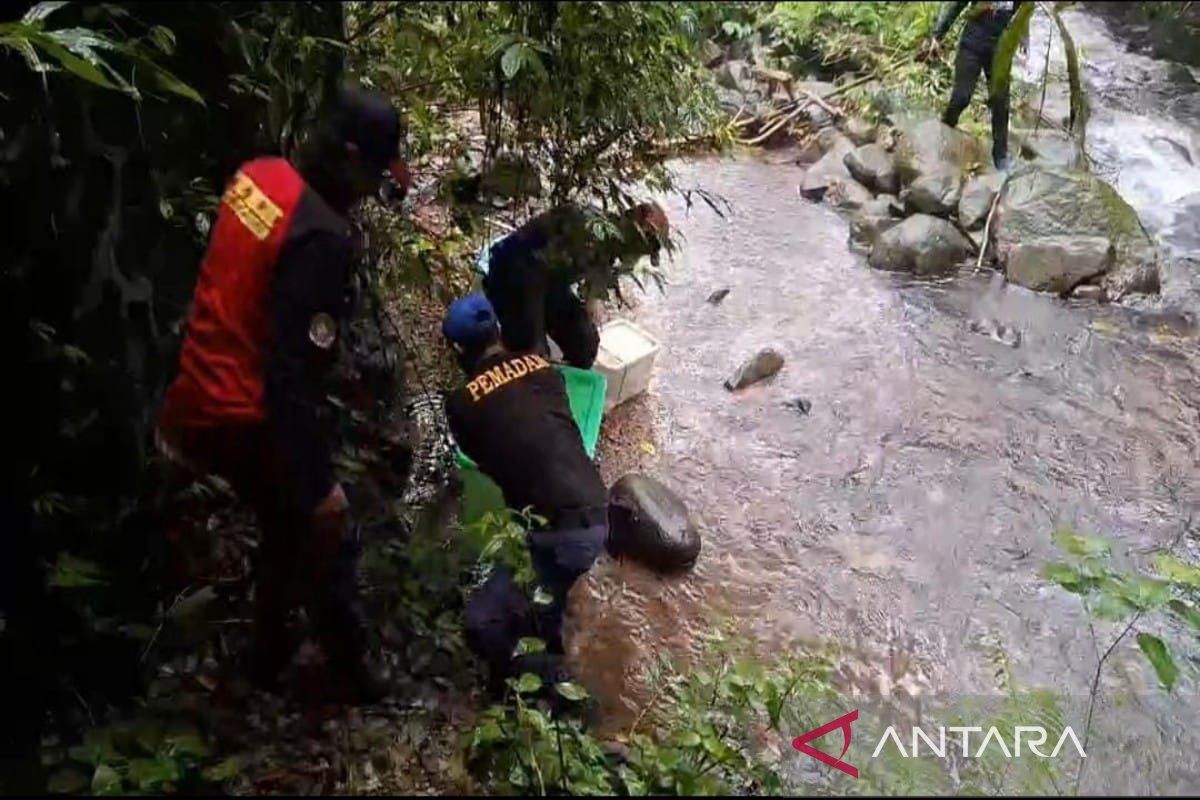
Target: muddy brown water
907, 516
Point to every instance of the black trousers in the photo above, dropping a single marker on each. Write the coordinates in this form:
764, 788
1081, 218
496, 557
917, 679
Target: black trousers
295, 564
530, 306
499, 615
972, 59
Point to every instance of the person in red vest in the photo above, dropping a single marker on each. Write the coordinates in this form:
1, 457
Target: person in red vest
247, 403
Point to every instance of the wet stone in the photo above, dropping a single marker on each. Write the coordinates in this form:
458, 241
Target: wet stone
801, 405
762, 365
716, 297
996, 330
650, 524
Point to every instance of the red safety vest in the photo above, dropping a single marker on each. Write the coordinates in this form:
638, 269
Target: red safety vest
221, 365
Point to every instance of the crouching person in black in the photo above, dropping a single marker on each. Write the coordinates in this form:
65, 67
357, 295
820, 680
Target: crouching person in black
512, 417
533, 270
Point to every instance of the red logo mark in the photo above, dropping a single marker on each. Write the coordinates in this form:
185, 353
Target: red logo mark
801, 743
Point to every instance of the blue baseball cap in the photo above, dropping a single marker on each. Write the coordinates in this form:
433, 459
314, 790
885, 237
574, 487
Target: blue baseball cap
470, 320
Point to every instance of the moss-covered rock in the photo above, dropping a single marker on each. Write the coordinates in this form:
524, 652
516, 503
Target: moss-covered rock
1047, 203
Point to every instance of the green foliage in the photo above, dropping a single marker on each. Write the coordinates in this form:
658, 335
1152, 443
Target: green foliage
872, 38
714, 727
141, 756
120, 124
551, 85
499, 537
1112, 594
86, 53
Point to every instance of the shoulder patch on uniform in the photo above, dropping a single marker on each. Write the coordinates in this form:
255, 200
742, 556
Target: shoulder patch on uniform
322, 330
252, 206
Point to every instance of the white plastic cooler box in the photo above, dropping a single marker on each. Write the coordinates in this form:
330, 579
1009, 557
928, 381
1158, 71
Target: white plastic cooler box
626, 357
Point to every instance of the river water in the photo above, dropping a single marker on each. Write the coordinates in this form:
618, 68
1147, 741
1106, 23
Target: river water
907, 515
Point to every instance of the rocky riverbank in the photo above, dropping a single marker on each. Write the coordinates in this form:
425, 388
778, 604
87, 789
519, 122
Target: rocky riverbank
924, 198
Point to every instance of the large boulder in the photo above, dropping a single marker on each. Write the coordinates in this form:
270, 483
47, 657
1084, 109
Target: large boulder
976, 200
922, 244
936, 193
1043, 203
871, 166
847, 193
827, 171
650, 524
866, 227
932, 146
1058, 264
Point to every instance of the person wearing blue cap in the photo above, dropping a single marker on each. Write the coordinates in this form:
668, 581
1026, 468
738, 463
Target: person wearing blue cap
513, 418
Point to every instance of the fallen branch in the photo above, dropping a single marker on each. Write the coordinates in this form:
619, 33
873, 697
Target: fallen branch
833, 111
762, 137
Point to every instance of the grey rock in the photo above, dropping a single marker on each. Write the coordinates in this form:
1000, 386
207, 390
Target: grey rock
871, 165
921, 244
716, 297
859, 130
976, 200
931, 146
651, 524
879, 206
934, 193
866, 228
801, 405
737, 75
1058, 264
828, 138
810, 153
996, 330
762, 365
895, 206
847, 193
821, 175
1043, 203
730, 100
712, 53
